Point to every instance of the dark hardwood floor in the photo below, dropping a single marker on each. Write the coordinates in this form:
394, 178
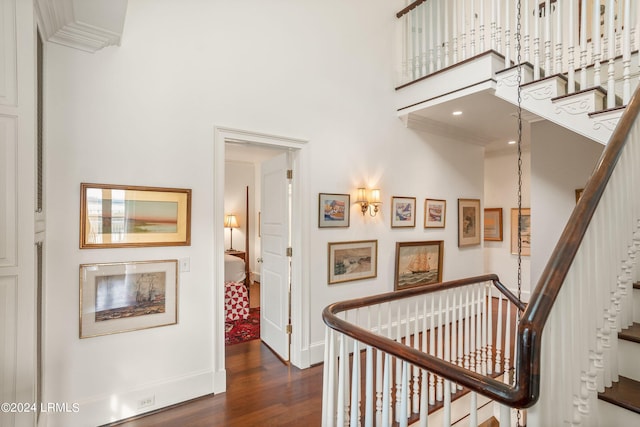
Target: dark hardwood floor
261, 390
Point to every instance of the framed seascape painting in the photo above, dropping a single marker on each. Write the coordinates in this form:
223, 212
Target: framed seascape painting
525, 231
418, 263
127, 296
493, 224
115, 216
435, 212
333, 210
352, 261
403, 212
468, 222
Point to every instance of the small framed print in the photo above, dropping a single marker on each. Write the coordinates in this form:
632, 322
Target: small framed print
127, 296
403, 212
333, 210
418, 263
435, 212
525, 231
468, 222
352, 261
493, 224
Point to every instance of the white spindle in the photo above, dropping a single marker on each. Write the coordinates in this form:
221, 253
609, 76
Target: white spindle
626, 54
472, 31
473, 409
595, 41
536, 41
355, 386
478, 320
386, 394
439, 341
432, 66
483, 308
342, 382
498, 366
583, 44
505, 416
328, 378
446, 414
490, 331
379, 356
507, 35
454, 30
404, 396
494, 26
571, 83
424, 381
558, 37
447, 36
507, 344
547, 38
463, 29
611, 44
416, 370
481, 29
467, 332
398, 363
525, 16
432, 352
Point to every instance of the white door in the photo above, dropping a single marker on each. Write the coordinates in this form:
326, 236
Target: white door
274, 237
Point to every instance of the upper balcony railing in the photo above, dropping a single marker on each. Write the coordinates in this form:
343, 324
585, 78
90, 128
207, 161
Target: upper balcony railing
557, 37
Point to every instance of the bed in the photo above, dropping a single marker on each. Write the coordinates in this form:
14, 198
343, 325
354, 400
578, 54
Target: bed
236, 280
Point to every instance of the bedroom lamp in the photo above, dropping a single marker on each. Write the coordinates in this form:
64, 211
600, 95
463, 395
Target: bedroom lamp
231, 222
368, 203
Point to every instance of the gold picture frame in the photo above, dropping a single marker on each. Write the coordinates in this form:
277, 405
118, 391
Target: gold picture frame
350, 261
116, 216
525, 233
435, 213
468, 222
127, 296
403, 212
418, 263
493, 224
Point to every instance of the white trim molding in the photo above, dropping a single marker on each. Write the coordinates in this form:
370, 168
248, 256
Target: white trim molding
81, 24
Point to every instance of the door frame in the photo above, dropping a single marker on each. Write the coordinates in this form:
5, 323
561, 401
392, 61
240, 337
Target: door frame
301, 202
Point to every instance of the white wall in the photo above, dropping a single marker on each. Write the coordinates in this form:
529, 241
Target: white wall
561, 162
144, 114
238, 176
501, 186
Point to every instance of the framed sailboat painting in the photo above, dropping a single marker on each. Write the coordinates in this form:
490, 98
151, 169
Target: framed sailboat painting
418, 263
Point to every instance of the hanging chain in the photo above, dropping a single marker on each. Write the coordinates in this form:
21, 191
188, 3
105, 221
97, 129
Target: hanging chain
519, 86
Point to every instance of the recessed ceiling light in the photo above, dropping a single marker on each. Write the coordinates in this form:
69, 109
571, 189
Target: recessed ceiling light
457, 113
511, 142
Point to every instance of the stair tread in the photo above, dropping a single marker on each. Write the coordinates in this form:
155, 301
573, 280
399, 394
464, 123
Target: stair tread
624, 393
608, 110
632, 333
560, 76
591, 89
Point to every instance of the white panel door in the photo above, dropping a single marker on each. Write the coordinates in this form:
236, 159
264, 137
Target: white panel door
275, 275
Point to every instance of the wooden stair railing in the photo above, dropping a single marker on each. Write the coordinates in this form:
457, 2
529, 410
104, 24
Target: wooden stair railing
524, 390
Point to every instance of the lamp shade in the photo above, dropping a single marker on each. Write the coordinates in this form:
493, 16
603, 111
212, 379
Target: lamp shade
230, 221
375, 196
361, 195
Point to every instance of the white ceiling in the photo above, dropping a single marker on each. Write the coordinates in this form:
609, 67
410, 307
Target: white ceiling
486, 120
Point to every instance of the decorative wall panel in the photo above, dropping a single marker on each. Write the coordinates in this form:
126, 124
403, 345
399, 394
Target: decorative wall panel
8, 192
8, 327
8, 81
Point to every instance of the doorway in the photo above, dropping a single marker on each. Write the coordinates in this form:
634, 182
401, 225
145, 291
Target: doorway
224, 137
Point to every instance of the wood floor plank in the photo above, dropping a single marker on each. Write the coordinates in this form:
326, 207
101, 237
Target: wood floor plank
261, 390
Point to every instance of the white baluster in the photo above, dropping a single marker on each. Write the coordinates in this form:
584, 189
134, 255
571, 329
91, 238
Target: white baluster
341, 407
547, 38
398, 363
472, 31
583, 44
386, 394
432, 65
454, 333
536, 42
404, 396
571, 84
467, 332
507, 35
473, 409
439, 341
498, 366
446, 414
507, 344
481, 29
493, 26
479, 319
454, 30
595, 42
447, 36
483, 344
526, 40
490, 358
438, 11
416, 370
355, 386
379, 356
463, 29
626, 54
432, 352
558, 37
328, 379
611, 84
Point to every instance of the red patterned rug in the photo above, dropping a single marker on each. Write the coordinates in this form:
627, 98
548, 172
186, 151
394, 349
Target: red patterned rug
238, 331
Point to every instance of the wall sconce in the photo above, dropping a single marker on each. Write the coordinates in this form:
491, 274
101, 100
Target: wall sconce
368, 203
231, 222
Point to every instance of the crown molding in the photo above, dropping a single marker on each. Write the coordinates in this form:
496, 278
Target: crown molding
88, 25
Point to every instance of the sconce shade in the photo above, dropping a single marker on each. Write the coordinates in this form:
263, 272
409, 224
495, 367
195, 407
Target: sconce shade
361, 195
230, 221
375, 196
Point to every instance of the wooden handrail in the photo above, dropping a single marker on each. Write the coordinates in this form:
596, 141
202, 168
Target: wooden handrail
526, 387
409, 8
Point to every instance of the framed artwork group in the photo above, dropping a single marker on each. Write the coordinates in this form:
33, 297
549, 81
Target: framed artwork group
127, 296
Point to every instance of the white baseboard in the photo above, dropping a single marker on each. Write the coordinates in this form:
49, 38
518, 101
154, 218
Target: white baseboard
104, 409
